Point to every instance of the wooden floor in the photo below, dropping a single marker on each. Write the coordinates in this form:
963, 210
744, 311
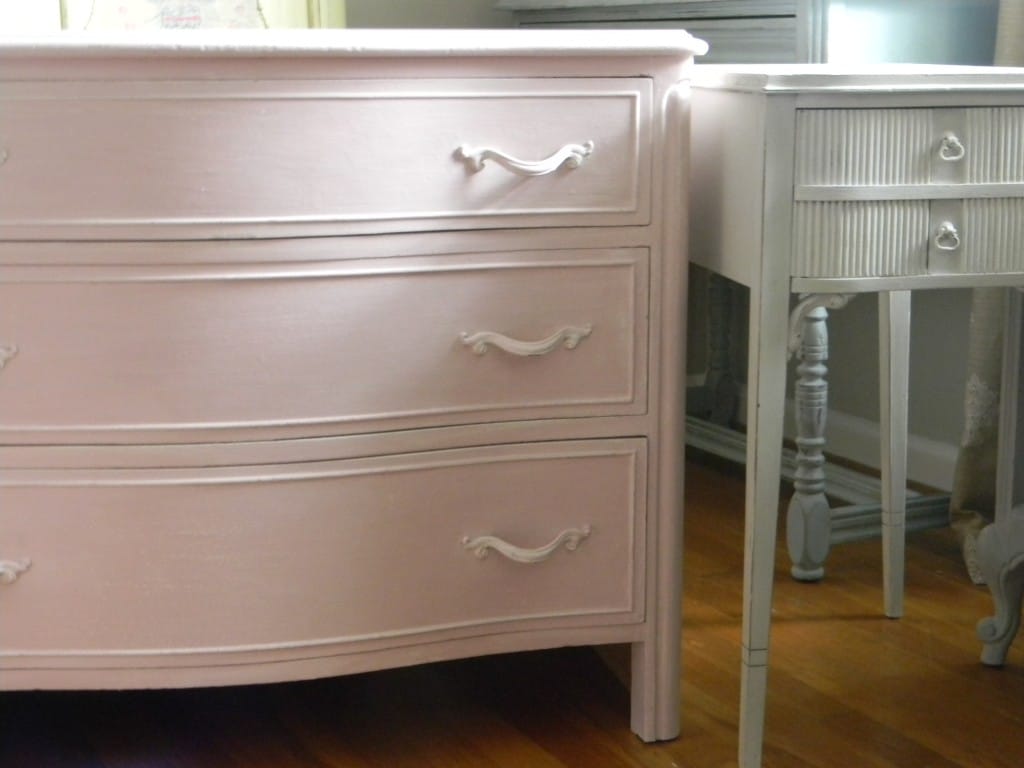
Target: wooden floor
847, 687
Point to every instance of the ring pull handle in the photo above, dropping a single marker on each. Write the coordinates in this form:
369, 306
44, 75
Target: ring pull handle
569, 337
570, 156
947, 238
10, 570
570, 538
951, 148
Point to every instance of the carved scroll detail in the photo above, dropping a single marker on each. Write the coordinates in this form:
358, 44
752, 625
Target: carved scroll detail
805, 307
1000, 550
7, 351
570, 538
10, 570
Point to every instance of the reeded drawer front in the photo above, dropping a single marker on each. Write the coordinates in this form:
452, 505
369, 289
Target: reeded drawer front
880, 147
908, 237
860, 239
976, 237
301, 555
135, 160
205, 353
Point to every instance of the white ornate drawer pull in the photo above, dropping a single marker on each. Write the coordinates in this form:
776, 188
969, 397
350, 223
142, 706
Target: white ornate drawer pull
951, 148
3, 156
10, 570
946, 237
571, 156
570, 538
569, 337
7, 351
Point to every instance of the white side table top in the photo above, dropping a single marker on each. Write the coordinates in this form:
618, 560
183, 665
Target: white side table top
882, 78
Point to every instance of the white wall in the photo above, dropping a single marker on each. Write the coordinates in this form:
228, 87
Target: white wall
921, 31
42, 16
29, 16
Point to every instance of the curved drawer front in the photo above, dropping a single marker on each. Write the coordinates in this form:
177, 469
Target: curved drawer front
135, 160
894, 147
296, 558
199, 354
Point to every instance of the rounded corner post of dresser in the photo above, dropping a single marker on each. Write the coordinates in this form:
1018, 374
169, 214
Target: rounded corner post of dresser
655, 668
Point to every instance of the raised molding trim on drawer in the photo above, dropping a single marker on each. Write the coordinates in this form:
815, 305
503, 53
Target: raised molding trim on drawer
285, 559
860, 239
372, 156
201, 353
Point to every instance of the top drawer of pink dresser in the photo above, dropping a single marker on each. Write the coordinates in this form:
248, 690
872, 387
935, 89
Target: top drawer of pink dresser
894, 147
158, 160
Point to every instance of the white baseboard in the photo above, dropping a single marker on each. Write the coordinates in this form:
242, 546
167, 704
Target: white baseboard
856, 439
862, 519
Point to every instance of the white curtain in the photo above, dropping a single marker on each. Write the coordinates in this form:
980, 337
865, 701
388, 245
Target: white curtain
1010, 35
972, 503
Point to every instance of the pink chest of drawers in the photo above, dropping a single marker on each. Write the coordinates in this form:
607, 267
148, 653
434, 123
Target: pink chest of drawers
325, 354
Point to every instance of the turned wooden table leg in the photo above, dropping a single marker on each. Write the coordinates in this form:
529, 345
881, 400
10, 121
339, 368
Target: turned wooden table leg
808, 518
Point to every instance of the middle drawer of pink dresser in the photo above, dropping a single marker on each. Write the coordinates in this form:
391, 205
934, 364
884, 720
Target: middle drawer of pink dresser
206, 353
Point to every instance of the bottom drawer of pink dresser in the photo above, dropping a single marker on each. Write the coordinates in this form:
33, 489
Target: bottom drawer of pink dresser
296, 555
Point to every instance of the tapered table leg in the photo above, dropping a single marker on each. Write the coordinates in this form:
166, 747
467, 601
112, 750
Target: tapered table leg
766, 385
894, 384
